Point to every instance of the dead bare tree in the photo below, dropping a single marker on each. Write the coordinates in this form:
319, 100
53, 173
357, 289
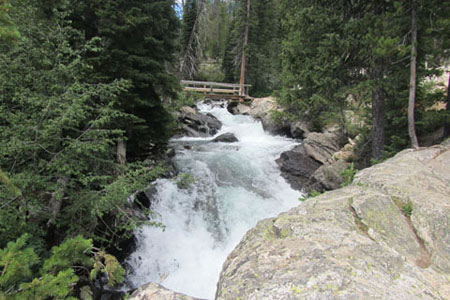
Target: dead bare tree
188, 66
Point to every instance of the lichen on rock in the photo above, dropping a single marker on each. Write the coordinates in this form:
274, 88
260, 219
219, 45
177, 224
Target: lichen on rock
356, 242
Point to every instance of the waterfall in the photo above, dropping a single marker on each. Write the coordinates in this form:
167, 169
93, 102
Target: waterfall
232, 187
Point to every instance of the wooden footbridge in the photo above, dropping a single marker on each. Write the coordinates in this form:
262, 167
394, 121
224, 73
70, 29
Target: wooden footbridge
218, 90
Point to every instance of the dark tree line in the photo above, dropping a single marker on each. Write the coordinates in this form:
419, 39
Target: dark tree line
375, 51
82, 90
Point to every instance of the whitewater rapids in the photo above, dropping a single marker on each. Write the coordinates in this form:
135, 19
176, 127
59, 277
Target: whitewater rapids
234, 186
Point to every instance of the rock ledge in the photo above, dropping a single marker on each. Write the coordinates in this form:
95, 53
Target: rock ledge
386, 236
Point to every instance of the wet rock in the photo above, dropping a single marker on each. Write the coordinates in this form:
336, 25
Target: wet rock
276, 127
300, 166
198, 125
297, 168
154, 291
226, 138
143, 200
357, 242
237, 108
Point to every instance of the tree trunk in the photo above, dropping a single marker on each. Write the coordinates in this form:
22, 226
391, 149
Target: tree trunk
122, 152
447, 119
378, 113
242, 81
188, 64
412, 84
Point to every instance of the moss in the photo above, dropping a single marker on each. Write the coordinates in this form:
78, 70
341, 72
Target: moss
269, 234
405, 208
285, 232
296, 290
358, 220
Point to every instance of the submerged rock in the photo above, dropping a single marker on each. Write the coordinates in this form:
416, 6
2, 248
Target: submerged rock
226, 138
383, 237
154, 291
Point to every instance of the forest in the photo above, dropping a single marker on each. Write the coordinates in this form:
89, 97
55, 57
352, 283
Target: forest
88, 91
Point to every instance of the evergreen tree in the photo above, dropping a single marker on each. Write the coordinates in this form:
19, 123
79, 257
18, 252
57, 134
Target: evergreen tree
58, 175
140, 42
8, 31
191, 38
190, 12
333, 49
263, 50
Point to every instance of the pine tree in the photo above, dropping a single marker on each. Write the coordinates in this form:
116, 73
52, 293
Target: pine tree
8, 31
263, 50
140, 39
190, 12
332, 49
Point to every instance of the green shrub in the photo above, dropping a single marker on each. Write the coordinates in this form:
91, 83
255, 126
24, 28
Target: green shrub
348, 175
312, 194
25, 275
407, 209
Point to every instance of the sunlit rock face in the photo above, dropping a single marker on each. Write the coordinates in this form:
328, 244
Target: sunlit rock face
384, 237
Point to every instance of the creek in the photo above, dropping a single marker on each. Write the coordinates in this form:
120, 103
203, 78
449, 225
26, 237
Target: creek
230, 187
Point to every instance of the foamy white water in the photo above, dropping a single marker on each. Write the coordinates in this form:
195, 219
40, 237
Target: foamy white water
235, 186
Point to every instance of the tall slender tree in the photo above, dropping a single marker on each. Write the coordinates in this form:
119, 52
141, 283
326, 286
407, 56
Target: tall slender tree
413, 75
191, 41
243, 59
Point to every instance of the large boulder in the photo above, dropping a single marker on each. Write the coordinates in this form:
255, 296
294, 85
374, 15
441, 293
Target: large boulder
383, 237
297, 167
195, 124
336, 133
262, 107
226, 138
154, 291
320, 146
330, 176
263, 110
310, 166
300, 129
237, 108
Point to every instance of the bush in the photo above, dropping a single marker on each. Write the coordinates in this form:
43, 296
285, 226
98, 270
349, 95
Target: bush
25, 275
348, 175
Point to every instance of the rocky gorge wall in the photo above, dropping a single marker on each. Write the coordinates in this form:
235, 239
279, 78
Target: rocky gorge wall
386, 236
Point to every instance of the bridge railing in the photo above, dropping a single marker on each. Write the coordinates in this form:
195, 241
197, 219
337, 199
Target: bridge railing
215, 88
